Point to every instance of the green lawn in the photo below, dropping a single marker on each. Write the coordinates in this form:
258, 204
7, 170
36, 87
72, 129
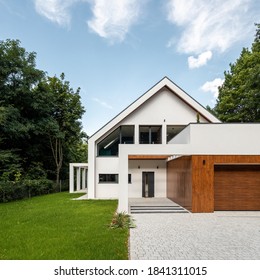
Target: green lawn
55, 227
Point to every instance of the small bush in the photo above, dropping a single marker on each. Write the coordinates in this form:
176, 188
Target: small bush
122, 220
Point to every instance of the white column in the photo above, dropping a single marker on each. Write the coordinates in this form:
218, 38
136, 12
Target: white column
87, 178
123, 182
71, 177
91, 170
83, 183
78, 178
164, 134
136, 134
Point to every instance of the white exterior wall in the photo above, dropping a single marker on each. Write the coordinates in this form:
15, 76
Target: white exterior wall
106, 165
243, 139
163, 108
135, 188
182, 138
220, 139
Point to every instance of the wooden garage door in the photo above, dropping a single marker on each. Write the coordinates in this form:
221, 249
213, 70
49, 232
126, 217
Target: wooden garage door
237, 187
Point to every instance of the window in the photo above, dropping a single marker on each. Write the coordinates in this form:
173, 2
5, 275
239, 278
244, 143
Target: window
127, 134
108, 178
150, 135
122, 135
173, 130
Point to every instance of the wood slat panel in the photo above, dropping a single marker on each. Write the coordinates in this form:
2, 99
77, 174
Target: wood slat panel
202, 184
237, 187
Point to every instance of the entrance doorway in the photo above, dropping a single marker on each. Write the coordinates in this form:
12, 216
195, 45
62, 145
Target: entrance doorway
148, 184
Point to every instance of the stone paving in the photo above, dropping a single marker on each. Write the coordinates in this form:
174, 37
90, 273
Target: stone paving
207, 236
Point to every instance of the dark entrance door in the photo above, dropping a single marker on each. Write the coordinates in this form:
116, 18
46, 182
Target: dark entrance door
148, 184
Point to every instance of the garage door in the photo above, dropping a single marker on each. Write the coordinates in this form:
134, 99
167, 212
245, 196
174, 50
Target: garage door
237, 187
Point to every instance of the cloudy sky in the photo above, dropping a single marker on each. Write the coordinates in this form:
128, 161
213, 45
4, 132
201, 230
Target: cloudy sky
115, 50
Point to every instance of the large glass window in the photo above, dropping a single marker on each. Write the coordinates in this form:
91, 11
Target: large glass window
173, 130
122, 135
127, 134
150, 135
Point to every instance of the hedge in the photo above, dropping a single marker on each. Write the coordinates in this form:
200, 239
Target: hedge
26, 188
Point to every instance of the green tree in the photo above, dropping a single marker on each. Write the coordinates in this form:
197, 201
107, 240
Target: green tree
239, 96
18, 105
64, 125
40, 117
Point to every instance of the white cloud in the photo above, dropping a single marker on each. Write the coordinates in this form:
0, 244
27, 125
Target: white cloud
200, 61
102, 103
112, 19
211, 25
212, 86
56, 11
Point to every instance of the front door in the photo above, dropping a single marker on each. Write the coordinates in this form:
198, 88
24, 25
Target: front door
148, 184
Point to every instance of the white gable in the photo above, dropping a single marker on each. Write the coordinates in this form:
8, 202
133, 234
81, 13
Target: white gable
163, 107
164, 101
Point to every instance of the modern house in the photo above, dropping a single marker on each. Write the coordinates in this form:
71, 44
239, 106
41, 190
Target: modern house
165, 144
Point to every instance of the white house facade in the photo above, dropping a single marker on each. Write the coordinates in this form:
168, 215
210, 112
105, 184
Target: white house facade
154, 147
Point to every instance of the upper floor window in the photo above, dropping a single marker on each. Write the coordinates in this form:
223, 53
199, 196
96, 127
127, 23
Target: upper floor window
150, 134
122, 135
173, 130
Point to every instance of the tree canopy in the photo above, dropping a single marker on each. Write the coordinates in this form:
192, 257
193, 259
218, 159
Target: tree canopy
239, 96
40, 118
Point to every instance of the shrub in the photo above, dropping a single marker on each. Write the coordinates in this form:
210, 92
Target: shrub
121, 220
38, 187
11, 190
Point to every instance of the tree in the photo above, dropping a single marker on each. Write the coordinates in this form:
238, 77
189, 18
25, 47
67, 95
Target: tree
40, 116
239, 96
18, 105
64, 125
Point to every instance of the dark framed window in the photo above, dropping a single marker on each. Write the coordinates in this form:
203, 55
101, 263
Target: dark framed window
109, 145
150, 134
108, 178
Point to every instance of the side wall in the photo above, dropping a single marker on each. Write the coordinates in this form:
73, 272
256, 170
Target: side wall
179, 181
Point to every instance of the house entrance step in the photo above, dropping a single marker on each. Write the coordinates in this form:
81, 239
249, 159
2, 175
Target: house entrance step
150, 209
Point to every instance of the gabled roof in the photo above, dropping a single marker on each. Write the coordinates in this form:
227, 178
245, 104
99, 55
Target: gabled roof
170, 85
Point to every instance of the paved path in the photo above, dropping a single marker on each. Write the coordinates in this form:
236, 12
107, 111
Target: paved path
219, 235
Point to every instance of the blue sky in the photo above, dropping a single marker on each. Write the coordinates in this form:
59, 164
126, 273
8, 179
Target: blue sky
115, 50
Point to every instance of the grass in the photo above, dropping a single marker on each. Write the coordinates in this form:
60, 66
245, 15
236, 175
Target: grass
54, 227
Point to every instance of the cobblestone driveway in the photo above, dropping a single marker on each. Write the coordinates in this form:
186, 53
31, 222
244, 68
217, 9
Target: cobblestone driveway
210, 236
